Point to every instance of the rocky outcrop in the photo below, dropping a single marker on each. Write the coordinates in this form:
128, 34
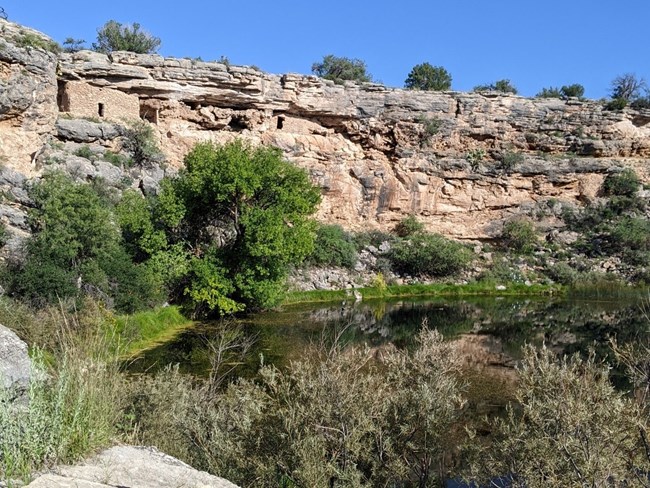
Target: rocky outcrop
127, 466
15, 365
461, 162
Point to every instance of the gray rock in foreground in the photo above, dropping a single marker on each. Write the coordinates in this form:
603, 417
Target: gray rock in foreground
133, 467
15, 365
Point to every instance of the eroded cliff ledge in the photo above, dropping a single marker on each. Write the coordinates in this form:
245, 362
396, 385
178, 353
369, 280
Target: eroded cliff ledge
461, 162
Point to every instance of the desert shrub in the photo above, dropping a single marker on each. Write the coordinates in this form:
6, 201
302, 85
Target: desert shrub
338, 416
510, 159
502, 272
562, 273
4, 234
571, 428
431, 125
408, 226
475, 157
340, 69
30, 40
616, 104
427, 77
72, 45
85, 152
573, 91
519, 235
333, 247
139, 142
503, 86
626, 184
550, 92
429, 254
117, 159
641, 103
114, 36
373, 238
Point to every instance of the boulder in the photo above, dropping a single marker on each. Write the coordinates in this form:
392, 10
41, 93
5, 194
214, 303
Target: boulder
15, 365
128, 466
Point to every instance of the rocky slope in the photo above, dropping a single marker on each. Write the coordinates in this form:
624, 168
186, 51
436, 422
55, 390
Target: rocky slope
461, 162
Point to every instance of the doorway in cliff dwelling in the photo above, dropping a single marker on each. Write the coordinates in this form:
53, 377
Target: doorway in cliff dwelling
149, 114
280, 123
100, 110
62, 97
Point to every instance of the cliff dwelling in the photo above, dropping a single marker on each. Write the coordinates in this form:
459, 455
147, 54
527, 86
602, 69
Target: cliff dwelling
82, 100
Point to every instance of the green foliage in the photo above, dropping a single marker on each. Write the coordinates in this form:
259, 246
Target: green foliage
333, 247
475, 157
76, 247
139, 142
573, 91
431, 126
114, 36
4, 234
519, 235
572, 428
429, 254
616, 104
567, 91
240, 212
85, 152
427, 77
340, 69
74, 400
626, 184
510, 159
71, 45
408, 226
336, 417
34, 41
503, 86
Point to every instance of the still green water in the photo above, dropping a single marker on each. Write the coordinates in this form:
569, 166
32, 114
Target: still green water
569, 324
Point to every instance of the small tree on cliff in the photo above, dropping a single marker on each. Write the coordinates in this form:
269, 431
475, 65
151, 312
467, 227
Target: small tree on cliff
427, 77
113, 36
340, 69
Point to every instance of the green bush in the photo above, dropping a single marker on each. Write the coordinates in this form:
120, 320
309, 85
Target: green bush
427, 77
333, 247
625, 183
139, 142
333, 418
573, 91
76, 249
519, 235
113, 36
85, 152
340, 69
503, 86
616, 104
373, 238
510, 159
429, 254
550, 92
408, 226
29, 40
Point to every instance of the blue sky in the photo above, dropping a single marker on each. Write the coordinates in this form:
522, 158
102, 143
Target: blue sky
534, 44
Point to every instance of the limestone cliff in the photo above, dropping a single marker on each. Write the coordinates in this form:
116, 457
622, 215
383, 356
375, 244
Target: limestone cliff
462, 162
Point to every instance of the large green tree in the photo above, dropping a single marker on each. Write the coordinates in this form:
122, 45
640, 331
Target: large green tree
238, 217
427, 77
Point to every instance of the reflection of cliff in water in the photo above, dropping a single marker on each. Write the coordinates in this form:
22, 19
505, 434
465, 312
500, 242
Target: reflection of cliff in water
492, 330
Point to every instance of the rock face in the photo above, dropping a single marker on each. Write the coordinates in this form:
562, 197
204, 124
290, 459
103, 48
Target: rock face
15, 365
461, 162
126, 466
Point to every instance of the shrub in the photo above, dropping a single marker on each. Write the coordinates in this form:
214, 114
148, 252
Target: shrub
85, 152
408, 226
29, 40
510, 159
573, 91
431, 125
429, 254
336, 417
503, 86
626, 184
551, 92
139, 142
333, 247
340, 69
427, 77
475, 157
616, 104
113, 36
71, 45
519, 235
572, 428
373, 238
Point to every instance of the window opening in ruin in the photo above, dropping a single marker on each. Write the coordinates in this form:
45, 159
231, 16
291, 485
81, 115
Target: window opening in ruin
280, 122
100, 109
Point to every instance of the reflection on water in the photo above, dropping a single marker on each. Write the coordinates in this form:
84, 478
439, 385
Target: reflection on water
497, 326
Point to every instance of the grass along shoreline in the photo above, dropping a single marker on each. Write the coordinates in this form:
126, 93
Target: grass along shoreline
150, 328
435, 289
